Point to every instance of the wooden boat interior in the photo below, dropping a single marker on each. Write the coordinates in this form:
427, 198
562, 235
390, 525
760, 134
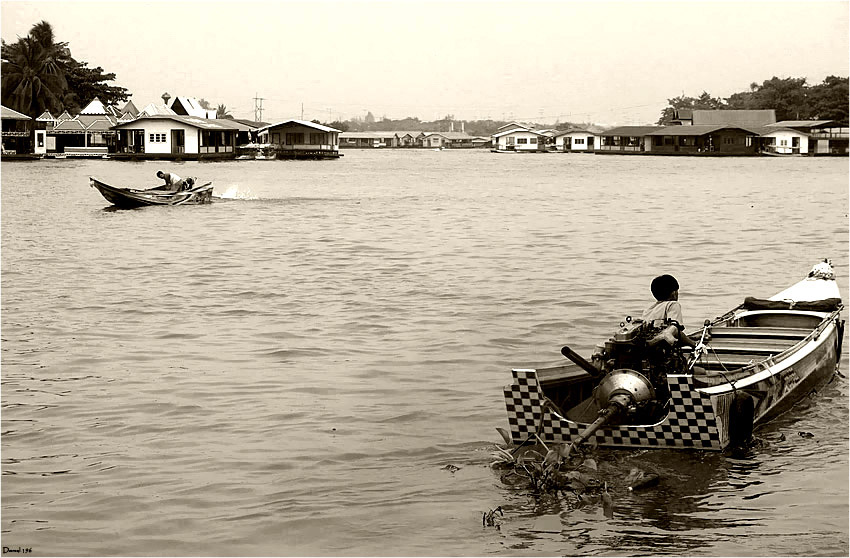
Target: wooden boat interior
737, 345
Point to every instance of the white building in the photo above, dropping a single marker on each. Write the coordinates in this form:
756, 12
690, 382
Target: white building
575, 141
519, 140
177, 135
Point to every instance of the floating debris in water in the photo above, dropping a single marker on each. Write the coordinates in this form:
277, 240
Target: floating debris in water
489, 519
637, 479
607, 502
451, 468
805, 434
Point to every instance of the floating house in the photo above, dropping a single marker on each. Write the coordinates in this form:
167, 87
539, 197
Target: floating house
301, 139
521, 140
804, 137
704, 139
17, 134
575, 141
368, 139
625, 139
88, 134
171, 136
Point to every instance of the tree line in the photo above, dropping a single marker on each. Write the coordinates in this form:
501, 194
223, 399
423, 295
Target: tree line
791, 98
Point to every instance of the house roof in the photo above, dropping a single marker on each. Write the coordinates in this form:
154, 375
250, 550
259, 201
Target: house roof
250, 123
94, 107
698, 130
512, 130
369, 135
802, 123
64, 116
89, 119
515, 124
631, 131
191, 105
154, 109
194, 121
46, 117
131, 108
736, 117
773, 129
307, 123
73, 125
574, 131
10, 114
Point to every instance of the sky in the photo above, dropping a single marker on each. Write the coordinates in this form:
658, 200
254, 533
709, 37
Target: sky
601, 62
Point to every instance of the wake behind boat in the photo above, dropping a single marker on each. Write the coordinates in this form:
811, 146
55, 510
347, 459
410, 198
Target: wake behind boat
161, 195
640, 391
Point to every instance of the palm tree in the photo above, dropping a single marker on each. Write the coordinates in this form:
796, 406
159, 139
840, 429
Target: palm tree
33, 74
221, 112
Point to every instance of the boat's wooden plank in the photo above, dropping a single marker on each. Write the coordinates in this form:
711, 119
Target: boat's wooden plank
761, 332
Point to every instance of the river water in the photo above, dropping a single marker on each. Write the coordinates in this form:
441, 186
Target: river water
314, 364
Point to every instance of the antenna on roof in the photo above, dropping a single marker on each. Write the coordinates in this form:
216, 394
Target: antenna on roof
258, 108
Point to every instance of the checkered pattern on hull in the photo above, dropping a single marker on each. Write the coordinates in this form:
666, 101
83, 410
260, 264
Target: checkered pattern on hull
690, 423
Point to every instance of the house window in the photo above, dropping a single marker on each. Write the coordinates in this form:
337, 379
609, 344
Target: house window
294, 138
157, 138
510, 141
532, 140
783, 143
579, 141
317, 139
522, 140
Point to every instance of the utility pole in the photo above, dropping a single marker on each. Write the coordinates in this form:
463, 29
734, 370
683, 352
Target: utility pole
302, 111
258, 108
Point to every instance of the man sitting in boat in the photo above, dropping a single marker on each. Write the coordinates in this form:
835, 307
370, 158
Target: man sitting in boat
665, 289
172, 181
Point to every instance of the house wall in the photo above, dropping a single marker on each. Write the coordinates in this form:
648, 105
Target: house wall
165, 127
783, 142
277, 135
434, 141
568, 142
729, 142
512, 140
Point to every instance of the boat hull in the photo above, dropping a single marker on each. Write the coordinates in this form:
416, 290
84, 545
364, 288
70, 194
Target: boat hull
704, 410
130, 198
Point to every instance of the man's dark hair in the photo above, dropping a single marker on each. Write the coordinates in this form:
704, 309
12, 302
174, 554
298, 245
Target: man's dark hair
663, 286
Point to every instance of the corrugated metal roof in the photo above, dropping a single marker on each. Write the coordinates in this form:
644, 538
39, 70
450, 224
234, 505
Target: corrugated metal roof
94, 107
575, 131
10, 114
698, 130
64, 116
630, 131
773, 129
154, 109
735, 117
306, 123
802, 123
194, 121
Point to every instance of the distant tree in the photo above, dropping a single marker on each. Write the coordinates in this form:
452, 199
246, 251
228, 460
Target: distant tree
703, 102
787, 96
370, 118
341, 126
829, 100
205, 104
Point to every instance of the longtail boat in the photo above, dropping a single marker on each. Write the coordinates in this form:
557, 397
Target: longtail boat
640, 391
161, 195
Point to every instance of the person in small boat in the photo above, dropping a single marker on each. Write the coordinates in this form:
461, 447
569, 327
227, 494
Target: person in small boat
665, 289
172, 181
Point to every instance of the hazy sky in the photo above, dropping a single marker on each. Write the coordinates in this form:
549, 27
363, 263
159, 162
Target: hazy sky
597, 61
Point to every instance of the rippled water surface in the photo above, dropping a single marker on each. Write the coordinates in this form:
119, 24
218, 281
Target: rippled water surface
292, 369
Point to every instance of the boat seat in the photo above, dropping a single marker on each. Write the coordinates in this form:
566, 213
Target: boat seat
729, 361
761, 332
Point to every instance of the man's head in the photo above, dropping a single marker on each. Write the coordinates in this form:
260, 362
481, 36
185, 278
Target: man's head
664, 286
160, 174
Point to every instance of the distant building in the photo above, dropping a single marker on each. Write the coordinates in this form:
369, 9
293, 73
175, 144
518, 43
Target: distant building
625, 139
368, 139
805, 137
301, 139
745, 118
86, 134
17, 132
704, 139
577, 140
519, 139
190, 106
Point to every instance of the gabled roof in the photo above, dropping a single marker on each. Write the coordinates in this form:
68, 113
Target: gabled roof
64, 116
190, 105
698, 130
631, 131
46, 117
307, 123
194, 121
250, 123
774, 129
736, 117
94, 107
10, 114
130, 108
89, 119
73, 125
154, 109
101, 124
455, 135
574, 131
514, 124
514, 130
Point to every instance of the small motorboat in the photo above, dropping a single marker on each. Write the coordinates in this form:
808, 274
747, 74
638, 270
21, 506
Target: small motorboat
640, 391
161, 195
